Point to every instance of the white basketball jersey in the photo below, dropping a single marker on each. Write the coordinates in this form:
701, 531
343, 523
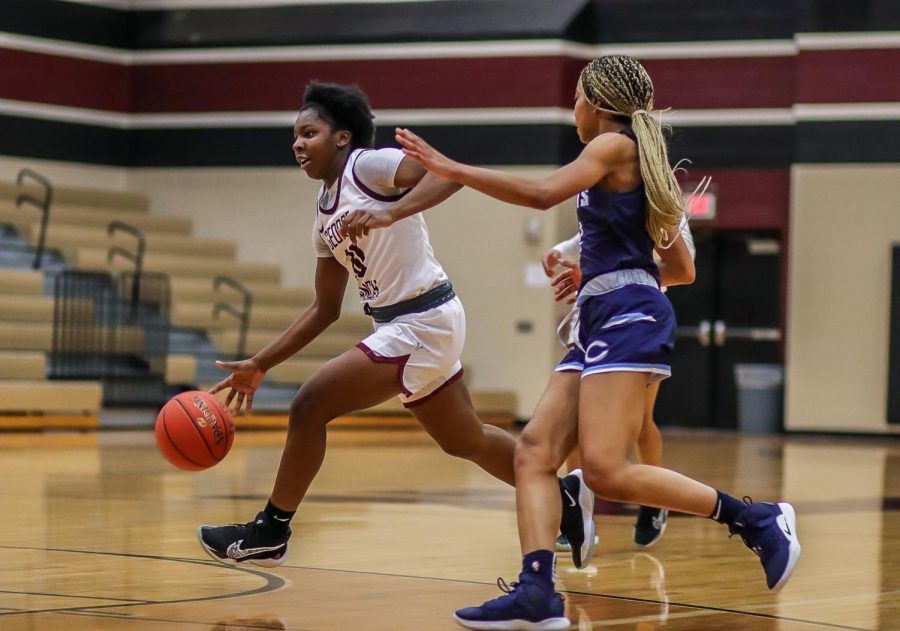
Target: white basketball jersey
390, 264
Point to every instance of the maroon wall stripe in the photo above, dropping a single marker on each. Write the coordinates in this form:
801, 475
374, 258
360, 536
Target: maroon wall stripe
758, 82
455, 83
848, 76
390, 84
482, 82
723, 83
57, 80
748, 199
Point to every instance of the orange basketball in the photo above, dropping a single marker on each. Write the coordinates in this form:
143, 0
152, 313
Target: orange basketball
194, 430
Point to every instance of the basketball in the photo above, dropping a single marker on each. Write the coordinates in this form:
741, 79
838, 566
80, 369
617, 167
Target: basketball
194, 431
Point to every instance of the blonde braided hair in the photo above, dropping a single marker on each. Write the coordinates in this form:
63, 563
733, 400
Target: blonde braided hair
621, 83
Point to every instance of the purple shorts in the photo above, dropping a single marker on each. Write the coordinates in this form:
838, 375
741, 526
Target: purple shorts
628, 329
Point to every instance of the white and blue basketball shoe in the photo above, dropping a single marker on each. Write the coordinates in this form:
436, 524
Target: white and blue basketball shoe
770, 530
577, 524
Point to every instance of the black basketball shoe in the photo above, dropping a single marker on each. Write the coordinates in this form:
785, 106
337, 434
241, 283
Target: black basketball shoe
650, 526
253, 542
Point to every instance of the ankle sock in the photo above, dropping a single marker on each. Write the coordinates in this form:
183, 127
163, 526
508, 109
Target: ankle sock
540, 567
727, 508
279, 520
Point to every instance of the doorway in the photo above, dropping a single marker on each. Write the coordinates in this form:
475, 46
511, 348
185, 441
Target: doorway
730, 315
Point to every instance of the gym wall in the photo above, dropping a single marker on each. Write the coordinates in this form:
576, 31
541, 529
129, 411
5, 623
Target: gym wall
194, 106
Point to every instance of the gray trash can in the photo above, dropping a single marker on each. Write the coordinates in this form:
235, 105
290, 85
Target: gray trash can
760, 397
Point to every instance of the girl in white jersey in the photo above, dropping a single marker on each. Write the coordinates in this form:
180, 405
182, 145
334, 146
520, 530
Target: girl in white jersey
419, 322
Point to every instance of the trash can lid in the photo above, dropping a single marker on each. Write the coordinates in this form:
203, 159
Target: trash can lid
758, 376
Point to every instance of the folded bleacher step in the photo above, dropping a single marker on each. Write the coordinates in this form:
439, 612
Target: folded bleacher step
272, 398
16, 253
191, 342
21, 281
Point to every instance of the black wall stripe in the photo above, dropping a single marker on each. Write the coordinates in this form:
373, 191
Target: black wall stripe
369, 23
848, 141
627, 21
832, 16
600, 21
769, 147
734, 147
893, 411
244, 147
68, 21
525, 145
52, 140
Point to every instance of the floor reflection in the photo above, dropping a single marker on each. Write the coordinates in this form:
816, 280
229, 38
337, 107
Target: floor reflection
241, 624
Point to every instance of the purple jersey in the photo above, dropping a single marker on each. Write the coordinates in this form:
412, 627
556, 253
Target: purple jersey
613, 230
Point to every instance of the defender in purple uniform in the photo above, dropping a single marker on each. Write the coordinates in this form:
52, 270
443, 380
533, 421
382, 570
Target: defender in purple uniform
628, 204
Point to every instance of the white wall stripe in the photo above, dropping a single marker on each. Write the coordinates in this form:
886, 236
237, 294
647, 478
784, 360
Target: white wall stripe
444, 50
356, 52
476, 116
454, 50
728, 117
62, 113
699, 50
60, 48
847, 111
473, 116
848, 41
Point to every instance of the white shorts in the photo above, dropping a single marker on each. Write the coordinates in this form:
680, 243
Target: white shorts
425, 346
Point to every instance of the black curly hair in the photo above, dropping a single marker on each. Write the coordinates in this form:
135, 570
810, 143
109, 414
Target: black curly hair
342, 107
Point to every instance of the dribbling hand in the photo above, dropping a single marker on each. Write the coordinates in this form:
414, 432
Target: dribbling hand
566, 284
357, 223
243, 381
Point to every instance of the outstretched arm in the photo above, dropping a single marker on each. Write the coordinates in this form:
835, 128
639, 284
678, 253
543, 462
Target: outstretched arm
429, 191
600, 156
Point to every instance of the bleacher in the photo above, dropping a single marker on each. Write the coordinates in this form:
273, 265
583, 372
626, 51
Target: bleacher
78, 238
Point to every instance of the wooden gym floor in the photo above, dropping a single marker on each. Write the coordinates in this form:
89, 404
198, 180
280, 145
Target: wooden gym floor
99, 534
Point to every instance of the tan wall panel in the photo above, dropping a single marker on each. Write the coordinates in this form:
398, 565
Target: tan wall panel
268, 212
843, 221
66, 173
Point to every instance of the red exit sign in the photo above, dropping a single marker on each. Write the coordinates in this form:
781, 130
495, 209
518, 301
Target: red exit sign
701, 206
